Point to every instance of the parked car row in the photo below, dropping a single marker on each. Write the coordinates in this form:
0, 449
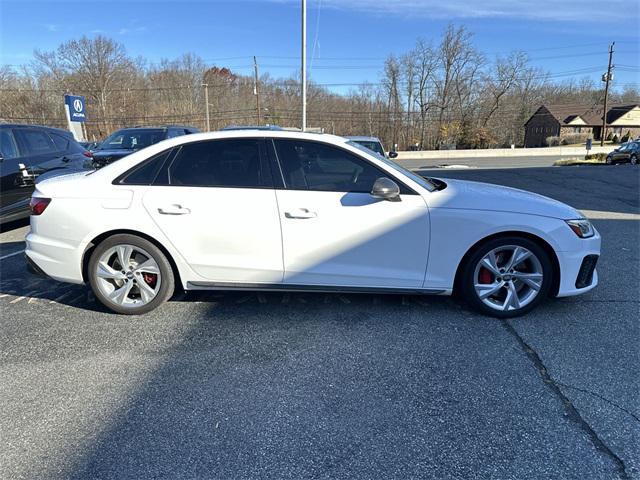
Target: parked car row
30, 153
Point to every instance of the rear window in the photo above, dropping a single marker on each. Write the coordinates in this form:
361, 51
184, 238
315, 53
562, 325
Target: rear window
61, 143
371, 145
133, 139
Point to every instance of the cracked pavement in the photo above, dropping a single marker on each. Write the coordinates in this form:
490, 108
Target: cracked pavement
244, 385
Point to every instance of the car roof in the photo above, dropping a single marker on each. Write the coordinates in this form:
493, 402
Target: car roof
155, 127
357, 138
44, 127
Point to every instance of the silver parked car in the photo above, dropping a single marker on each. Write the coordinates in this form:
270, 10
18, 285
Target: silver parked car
374, 144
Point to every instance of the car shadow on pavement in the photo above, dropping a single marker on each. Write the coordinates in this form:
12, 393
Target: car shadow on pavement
8, 226
331, 386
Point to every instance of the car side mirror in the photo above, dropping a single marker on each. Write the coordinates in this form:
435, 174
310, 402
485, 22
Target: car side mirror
386, 189
393, 154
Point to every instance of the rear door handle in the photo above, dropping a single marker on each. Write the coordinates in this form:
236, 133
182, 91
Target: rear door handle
300, 213
174, 209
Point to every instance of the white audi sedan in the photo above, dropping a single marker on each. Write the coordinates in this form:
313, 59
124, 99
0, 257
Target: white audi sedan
289, 211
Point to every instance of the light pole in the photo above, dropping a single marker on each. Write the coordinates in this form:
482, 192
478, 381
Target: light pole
304, 65
206, 103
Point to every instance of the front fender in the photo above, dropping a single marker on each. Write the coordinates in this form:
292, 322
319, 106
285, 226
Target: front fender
455, 231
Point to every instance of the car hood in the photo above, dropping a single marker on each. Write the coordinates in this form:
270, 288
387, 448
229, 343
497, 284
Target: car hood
467, 195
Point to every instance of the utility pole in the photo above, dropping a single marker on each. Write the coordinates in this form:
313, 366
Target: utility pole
304, 65
256, 87
206, 103
607, 77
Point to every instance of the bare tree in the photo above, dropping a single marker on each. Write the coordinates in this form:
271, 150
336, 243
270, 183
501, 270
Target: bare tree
96, 66
391, 83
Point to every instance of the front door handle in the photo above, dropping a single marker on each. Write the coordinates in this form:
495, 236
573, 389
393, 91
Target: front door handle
300, 213
174, 209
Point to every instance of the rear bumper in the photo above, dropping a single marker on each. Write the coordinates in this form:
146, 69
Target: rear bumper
54, 258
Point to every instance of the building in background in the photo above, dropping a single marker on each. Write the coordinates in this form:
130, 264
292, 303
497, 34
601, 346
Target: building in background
562, 124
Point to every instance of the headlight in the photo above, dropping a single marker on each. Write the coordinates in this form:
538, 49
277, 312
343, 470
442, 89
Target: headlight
581, 227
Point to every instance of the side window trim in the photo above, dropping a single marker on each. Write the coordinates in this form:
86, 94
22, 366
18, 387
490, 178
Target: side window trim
392, 176
276, 168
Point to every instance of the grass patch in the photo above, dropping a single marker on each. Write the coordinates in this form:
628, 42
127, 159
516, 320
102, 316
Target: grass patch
578, 161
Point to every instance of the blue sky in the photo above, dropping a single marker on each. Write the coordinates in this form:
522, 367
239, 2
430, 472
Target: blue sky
348, 39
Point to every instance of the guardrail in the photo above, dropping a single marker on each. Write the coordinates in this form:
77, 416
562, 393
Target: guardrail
503, 152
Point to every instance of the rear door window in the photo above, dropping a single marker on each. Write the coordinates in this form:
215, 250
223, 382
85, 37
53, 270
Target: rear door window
221, 163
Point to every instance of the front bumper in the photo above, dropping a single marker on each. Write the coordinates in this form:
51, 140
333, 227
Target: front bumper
577, 268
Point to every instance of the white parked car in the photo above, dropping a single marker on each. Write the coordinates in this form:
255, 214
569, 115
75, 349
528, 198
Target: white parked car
270, 210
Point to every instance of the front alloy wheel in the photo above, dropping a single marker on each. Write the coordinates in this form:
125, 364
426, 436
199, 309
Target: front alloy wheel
507, 277
130, 275
634, 159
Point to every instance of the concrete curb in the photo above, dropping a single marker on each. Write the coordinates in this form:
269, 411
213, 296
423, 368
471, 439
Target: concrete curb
502, 152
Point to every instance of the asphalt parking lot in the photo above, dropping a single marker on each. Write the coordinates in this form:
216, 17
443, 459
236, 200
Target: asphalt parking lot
243, 385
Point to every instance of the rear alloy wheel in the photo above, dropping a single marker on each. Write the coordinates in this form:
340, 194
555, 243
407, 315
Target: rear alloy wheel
130, 275
609, 161
507, 277
634, 159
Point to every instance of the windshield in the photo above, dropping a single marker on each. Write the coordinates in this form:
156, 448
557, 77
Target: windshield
422, 181
132, 139
371, 145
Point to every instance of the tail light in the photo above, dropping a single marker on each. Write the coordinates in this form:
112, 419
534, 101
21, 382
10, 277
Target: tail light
38, 205
87, 154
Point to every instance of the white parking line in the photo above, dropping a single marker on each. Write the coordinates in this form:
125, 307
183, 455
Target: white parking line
11, 254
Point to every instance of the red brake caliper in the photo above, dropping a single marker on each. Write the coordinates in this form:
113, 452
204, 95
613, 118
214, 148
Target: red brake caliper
485, 276
150, 278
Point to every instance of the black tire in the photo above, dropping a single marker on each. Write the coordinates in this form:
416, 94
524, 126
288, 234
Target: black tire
634, 159
467, 291
167, 285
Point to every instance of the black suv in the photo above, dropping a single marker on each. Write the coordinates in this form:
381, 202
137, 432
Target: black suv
26, 152
128, 140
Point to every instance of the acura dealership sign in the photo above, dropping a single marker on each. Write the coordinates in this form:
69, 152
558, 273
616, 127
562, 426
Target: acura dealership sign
75, 103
